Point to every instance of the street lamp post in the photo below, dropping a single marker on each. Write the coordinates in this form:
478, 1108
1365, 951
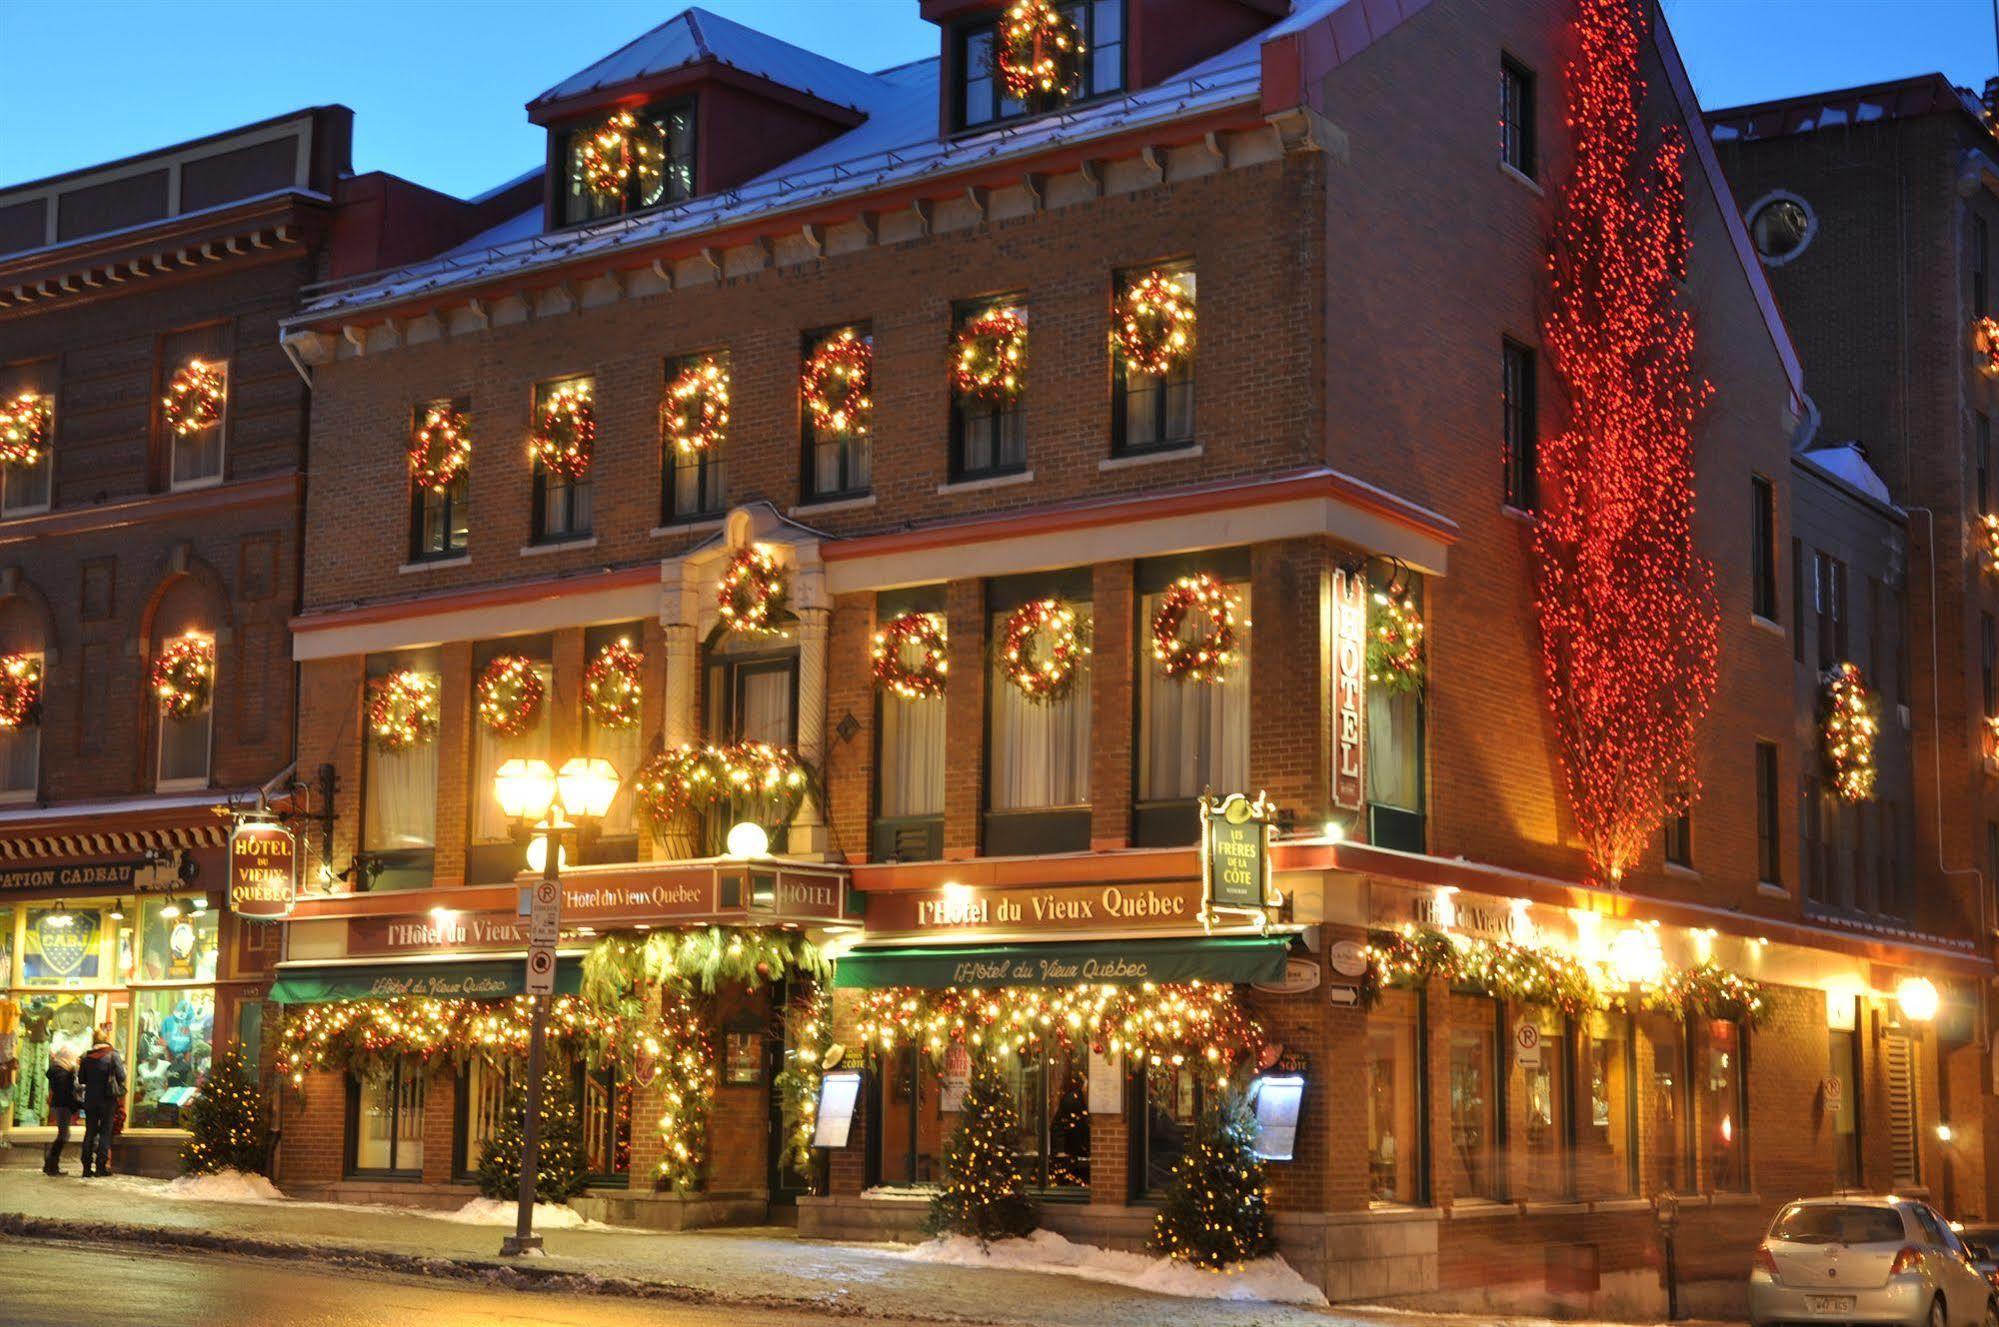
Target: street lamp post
541, 803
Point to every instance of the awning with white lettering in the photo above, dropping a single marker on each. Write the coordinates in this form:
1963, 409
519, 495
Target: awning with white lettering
1108, 962
483, 978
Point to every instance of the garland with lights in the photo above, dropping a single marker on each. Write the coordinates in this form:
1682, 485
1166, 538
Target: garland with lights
838, 383
685, 1055
565, 435
695, 413
1848, 724
989, 357
24, 429
1705, 991
228, 1124
195, 397
509, 694
696, 775
1522, 973
1989, 537
402, 710
619, 969
1021, 659
440, 448
1153, 324
1985, 340
1215, 1214
808, 1041
1626, 604
984, 1193
20, 691
358, 1035
1038, 52
615, 153
923, 635
1395, 653
752, 592
184, 676
1205, 656
613, 686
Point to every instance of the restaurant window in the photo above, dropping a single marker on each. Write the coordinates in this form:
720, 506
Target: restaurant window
839, 458
1171, 1098
1394, 741
1519, 423
1050, 1089
26, 489
1829, 601
481, 1108
385, 1118
1516, 115
1666, 1105
1769, 853
1153, 411
1393, 1081
399, 767
988, 438
1537, 1099
1606, 1152
186, 729
440, 523
1842, 1104
915, 1116
1724, 1117
663, 132
195, 453
1193, 735
981, 99
909, 768
21, 745
691, 483
1763, 548
1473, 1100
561, 508
1038, 749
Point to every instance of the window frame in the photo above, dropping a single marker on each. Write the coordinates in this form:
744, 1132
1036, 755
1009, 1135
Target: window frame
563, 137
710, 467
226, 365
1763, 548
886, 833
1186, 377
32, 790
187, 782
1173, 821
1004, 421
1084, 12
849, 445
1517, 107
456, 499
45, 470
1676, 835
545, 483
351, 1150
1769, 844
1519, 426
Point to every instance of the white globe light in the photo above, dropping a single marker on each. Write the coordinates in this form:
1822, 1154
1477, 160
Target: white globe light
538, 855
747, 839
1918, 998
1636, 957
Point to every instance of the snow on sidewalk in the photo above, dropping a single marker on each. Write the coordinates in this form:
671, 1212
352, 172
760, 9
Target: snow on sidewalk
1269, 1280
232, 1186
224, 1186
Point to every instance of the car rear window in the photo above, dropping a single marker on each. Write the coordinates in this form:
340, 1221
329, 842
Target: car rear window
1831, 1224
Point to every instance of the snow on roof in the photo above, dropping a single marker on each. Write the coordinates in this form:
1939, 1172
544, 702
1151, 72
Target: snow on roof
695, 35
1924, 94
1847, 462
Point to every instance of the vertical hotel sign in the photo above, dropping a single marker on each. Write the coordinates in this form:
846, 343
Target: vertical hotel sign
263, 870
1349, 689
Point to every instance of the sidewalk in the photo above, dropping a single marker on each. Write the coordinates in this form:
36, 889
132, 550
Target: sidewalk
756, 1268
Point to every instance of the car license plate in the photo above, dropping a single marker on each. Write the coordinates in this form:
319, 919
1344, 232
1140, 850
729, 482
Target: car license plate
1829, 1303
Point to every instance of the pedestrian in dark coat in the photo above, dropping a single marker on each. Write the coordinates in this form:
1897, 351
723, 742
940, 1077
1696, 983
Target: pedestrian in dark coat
65, 1100
103, 1075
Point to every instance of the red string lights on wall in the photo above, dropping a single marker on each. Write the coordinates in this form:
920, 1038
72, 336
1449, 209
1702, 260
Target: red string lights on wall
1626, 605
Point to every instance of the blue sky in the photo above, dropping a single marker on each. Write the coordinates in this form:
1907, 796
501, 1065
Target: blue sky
438, 86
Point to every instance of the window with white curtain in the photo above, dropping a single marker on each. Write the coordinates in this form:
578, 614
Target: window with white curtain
620, 746
184, 743
399, 794
1193, 736
1040, 756
21, 755
912, 757
490, 751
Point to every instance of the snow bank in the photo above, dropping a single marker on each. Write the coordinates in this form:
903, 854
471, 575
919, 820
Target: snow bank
1268, 1279
225, 1186
493, 1212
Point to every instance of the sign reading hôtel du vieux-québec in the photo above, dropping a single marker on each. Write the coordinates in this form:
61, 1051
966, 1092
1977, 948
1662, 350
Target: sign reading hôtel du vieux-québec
263, 870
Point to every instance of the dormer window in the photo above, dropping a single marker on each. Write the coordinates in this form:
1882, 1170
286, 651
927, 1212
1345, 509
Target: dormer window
981, 99
624, 160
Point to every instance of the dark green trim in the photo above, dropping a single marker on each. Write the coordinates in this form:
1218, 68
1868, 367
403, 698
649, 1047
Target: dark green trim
481, 979
1114, 962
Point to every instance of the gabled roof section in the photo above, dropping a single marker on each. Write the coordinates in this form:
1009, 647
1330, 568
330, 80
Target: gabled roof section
695, 37
1898, 99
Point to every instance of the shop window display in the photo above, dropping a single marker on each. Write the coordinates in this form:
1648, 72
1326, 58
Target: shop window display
1604, 1160
48, 1023
1393, 1075
179, 943
1664, 1055
173, 1043
1172, 1106
1537, 1101
1051, 1091
1722, 1111
1472, 1098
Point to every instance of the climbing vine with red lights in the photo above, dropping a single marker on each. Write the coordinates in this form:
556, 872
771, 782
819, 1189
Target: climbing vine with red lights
1626, 605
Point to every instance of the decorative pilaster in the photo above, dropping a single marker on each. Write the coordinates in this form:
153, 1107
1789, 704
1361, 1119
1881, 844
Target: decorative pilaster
808, 828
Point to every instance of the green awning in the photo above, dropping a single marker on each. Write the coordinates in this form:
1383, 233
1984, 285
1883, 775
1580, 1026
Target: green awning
1113, 962
449, 979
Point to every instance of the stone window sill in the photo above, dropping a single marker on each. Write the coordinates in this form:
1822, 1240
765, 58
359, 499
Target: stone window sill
990, 481
561, 546
434, 564
1150, 458
833, 505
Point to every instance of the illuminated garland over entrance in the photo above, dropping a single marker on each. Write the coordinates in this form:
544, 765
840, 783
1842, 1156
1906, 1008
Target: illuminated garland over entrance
694, 776
356, 1035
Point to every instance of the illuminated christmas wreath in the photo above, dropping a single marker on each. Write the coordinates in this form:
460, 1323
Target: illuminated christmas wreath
510, 692
1022, 661
921, 634
1207, 655
20, 691
1395, 652
752, 591
695, 776
612, 686
1038, 51
1153, 324
618, 151
194, 398
184, 676
565, 435
402, 710
440, 448
988, 357
1847, 727
695, 414
1985, 339
1989, 538
837, 383
24, 429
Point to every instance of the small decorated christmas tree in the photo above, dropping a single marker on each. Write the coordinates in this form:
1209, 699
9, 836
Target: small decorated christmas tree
226, 1120
562, 1169
985, 1190
1214, 1215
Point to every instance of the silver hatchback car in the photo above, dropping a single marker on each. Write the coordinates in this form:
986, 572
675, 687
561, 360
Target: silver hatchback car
1860, 1259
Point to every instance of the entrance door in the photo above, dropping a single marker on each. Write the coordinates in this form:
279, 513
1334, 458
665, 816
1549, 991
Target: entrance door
787, 1181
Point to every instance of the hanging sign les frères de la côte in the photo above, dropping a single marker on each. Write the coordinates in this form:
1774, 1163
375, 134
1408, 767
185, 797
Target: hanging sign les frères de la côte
1235, 852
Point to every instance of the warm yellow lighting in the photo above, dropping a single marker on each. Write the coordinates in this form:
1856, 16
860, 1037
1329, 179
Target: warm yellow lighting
444, 916
1636, 958
538, 853
1445, 908
1943, 1133
587, 785
1335, 832
747, 839
1918, 998
526, 788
